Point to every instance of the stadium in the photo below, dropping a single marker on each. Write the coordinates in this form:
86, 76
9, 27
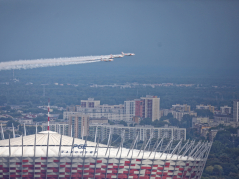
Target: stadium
50, 155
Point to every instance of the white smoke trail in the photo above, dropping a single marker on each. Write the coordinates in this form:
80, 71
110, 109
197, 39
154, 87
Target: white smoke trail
28, 64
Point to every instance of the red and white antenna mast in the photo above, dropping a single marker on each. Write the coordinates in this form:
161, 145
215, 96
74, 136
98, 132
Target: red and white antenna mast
48, 128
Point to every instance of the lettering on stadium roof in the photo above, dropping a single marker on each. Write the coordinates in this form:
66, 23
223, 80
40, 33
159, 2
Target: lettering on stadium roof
80, 146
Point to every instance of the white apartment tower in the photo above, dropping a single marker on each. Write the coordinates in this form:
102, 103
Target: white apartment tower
236, 110
151, 107
78, 125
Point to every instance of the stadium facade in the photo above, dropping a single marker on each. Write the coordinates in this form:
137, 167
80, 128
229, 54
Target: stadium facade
51, 155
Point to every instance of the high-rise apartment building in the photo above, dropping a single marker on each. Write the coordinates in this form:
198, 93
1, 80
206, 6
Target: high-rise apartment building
129, 108
139, 108
151, 107
236, 110
78, 125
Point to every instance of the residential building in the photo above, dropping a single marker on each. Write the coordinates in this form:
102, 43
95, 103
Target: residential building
199, 120
138, 107
101, 120
221, 119
207, 107
78, 125
129, 108
179, 107
177, 114
59, 127
151, 107
25, 121
236, 110
90, 103
226, 110
131, 132
136, 119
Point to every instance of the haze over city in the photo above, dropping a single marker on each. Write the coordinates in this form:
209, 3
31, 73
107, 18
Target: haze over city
119, 89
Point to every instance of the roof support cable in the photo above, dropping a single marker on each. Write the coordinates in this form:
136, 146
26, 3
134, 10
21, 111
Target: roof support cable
166, 147
177, 146
9, 156
34, 153
133, 144
142, 147
188, 147
190, 154
72, 153
185, 145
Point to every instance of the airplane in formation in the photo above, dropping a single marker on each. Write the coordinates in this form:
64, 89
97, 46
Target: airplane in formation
127, 54
111, 58
107, 59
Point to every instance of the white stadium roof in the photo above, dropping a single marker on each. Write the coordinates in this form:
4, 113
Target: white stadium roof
51, 148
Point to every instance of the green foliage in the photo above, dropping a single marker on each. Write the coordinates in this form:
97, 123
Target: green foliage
204, 113
7, 108
15, 123
209, 169
111, 122
218, 170
5, 119
146, 121
40, 118
3, 100
123, 123
186, 121
223, 157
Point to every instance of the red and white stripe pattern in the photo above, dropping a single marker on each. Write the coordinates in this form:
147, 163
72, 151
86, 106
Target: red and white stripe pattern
48, 128
99, 168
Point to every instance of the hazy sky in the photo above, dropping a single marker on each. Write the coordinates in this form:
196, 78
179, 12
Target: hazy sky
162, 33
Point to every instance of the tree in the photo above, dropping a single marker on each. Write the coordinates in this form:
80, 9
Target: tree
218, 170
15, 123
204, 113
123, 122
3, 100
60, 116
40, 118
209, 169
146, 121
186, 121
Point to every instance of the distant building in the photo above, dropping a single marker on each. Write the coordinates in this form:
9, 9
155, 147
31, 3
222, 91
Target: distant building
25, 121
207, 107
129, 108
226, 110
236, 110
179, 107
101, 120
59, 127
131, 132
137, 119
223, 119
177, 114
199, 120
90, 103
151, 107
78, 125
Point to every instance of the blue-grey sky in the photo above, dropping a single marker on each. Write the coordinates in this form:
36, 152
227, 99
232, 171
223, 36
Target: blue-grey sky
165, 34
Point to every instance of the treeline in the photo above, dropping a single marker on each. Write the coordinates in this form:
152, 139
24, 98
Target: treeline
223, 160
